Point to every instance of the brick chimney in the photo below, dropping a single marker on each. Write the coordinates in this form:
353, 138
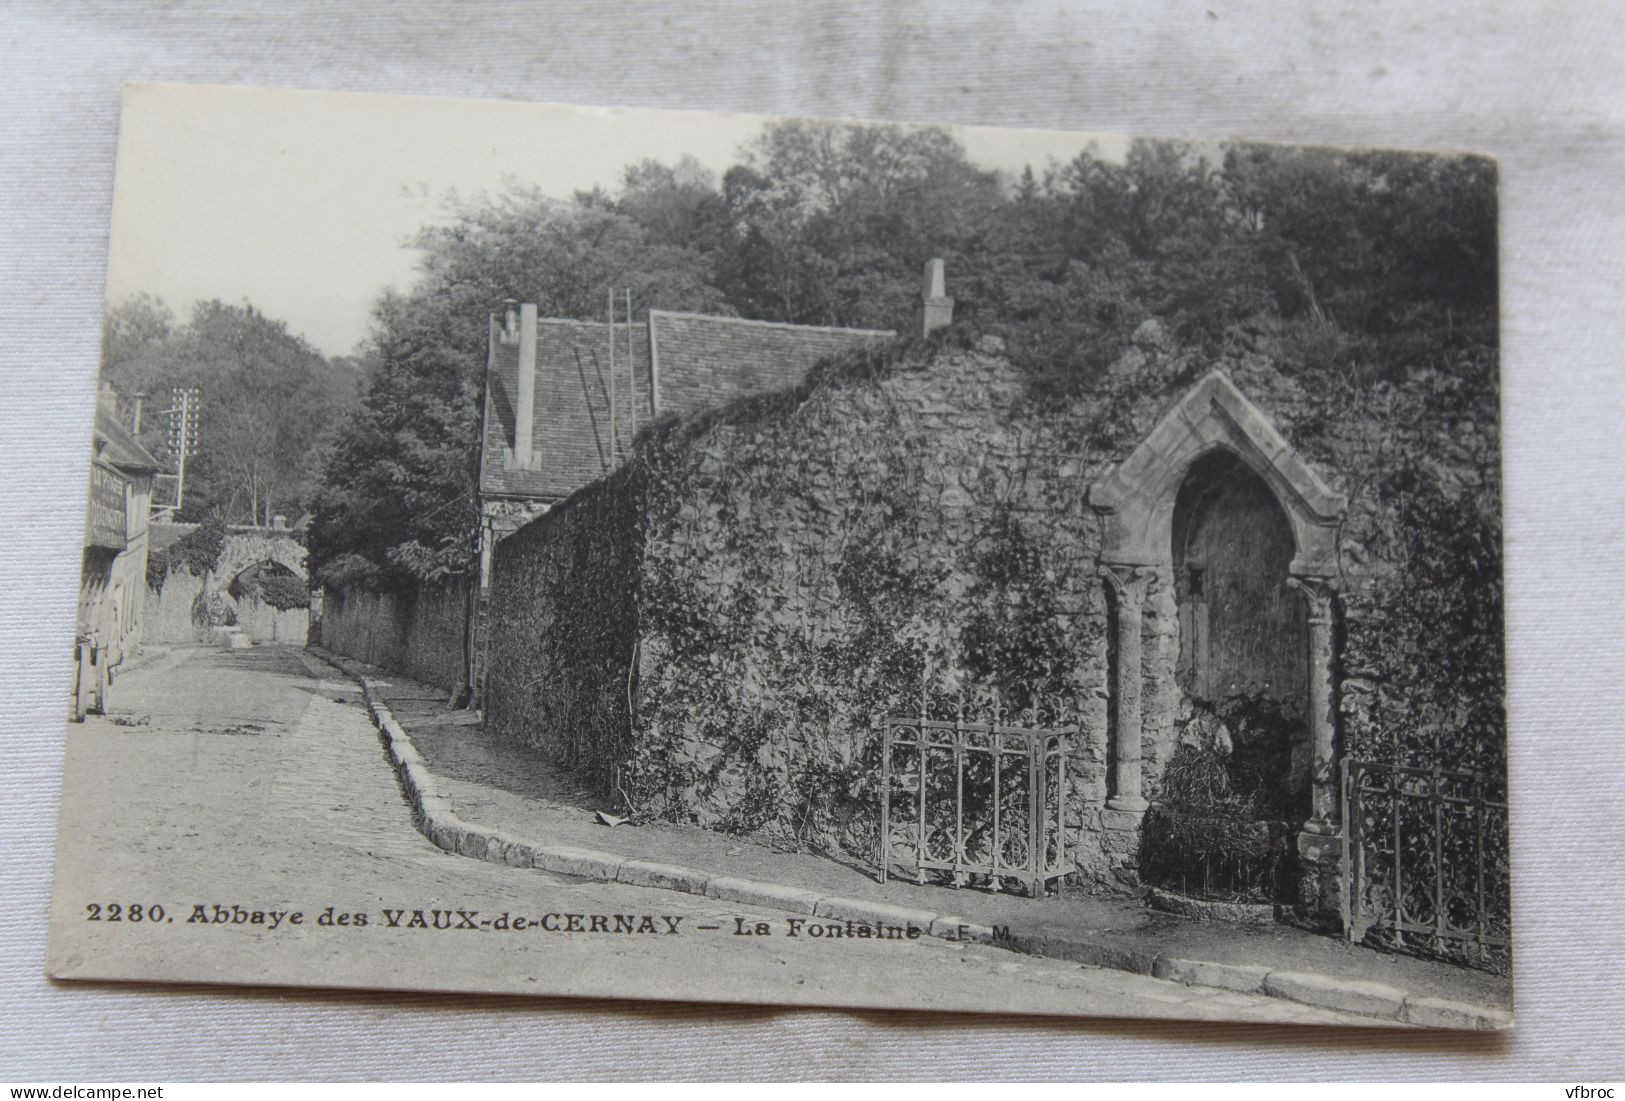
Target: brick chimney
937, 307
524, 413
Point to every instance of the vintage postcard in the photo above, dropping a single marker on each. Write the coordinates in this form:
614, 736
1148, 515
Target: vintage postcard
661, 555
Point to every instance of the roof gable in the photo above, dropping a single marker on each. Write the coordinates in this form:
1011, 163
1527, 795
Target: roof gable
680, 363
571, 437
703, 362
119, 446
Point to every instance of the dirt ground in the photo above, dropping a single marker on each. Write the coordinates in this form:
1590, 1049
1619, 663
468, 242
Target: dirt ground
253, 782
502, 785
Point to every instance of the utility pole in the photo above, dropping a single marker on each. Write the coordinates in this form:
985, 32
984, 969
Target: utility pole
187, 439
183, 418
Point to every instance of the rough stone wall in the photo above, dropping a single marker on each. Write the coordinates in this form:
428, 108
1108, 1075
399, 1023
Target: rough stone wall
263, 622
1419, 621
249, 547
169, 609
791, 574
419, 633
789, 561
563, 629
170, 612
1419, 617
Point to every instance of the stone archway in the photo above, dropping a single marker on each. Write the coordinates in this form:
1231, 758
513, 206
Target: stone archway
246, 548
250, 578
1136, 498
1214, 427
251, 558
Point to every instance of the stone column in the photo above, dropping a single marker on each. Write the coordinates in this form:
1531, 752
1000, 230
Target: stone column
1322, 891
1323, 776
1128, 585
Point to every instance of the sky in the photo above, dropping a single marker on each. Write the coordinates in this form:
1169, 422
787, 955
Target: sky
303, 203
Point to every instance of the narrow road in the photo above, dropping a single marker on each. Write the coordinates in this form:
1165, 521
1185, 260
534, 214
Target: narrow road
251, 782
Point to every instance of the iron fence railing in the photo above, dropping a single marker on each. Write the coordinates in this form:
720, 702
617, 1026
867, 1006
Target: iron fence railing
1428, 868
965, 799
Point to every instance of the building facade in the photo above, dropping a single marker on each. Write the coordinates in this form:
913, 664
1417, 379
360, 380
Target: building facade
113, 574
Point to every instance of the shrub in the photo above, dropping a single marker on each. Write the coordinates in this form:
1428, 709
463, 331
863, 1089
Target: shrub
1225, 855
284, 592
1219, 829
197, 552
351, 571
213, 611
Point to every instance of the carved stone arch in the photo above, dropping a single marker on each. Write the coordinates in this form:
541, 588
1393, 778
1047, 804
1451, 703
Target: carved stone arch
1136, 498
1136, 502
245, 549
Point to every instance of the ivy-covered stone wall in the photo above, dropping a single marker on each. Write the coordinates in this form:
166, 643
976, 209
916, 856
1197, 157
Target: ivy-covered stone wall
803, 560
563, 632
189, 584
718, 628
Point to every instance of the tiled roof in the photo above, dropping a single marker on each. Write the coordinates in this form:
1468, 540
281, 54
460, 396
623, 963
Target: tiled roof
118, 445
571, 421
701, 362
705, 362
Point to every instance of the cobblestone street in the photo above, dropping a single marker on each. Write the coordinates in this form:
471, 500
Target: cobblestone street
253, 780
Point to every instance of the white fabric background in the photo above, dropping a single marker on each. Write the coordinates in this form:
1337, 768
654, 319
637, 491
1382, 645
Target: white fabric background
1542, 87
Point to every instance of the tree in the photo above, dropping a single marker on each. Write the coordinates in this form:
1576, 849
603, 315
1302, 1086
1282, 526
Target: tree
1355, 261
1363, 262
134, 335
678, 206
398, 502
834, 221
267, 401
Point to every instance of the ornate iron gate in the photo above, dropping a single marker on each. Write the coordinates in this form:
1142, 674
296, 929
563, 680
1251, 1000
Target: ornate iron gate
1428, 862
963, 798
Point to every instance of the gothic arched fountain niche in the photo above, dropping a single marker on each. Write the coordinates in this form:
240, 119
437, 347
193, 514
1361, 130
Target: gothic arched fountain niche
1243, 632
1215, 520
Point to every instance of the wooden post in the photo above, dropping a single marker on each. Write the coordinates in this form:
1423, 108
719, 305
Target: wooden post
654, 367
612, 378
631, 373
81, 681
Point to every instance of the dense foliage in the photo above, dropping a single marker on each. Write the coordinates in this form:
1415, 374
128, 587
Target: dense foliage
267, 403
197, 552
284, 592
1368, 265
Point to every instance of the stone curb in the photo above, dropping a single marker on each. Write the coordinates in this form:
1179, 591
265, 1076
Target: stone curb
771, 896
437, 821
1369, 999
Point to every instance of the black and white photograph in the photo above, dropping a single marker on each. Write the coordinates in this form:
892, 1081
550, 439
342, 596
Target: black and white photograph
682, 556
